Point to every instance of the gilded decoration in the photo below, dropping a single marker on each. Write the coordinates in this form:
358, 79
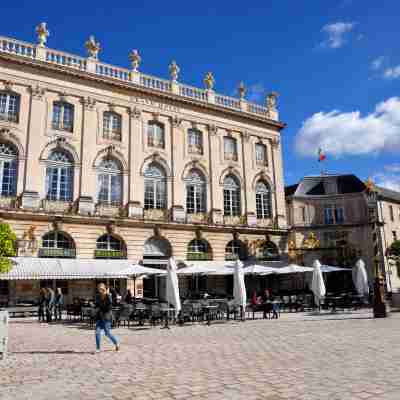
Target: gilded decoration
28, 245
174, 71
42, 34
209, 81
56, 206
93, 48
271, 101
108, 210
242, 90
311, 242
197, 218
155, 214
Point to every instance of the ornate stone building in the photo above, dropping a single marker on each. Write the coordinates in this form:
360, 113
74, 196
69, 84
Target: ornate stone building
338, 218
98, 161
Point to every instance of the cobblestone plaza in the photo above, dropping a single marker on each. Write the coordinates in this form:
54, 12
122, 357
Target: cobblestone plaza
301, 356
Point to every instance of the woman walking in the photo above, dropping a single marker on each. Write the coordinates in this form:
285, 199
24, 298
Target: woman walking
104, 317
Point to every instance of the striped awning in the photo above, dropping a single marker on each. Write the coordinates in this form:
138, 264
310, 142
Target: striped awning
27, 268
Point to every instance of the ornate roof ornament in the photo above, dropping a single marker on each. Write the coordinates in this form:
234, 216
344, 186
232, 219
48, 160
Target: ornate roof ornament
271, 101
135, 60
242, 90
42, 34
174, 71
209, 81
92, 47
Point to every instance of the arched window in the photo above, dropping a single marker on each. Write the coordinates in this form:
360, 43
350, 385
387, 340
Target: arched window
235, 249
155, 135
57, 244
112, 125
59, 176
9, 106
196, 192
63, 116
195, 141
157, 250
268, 251
109, 246
109, 182
155, 187
8, 169
263, 200
199, 249
231, 196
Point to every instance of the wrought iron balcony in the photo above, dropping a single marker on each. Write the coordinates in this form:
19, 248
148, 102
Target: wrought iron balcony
115, 254
56, 206
47, 252
112, 209
8, 202
155, 214
197, 256
197, 218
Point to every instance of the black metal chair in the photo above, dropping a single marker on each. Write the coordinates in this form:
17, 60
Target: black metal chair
156, 314
125, 315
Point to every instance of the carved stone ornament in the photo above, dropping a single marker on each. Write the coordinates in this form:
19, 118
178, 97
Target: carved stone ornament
174, 71
199, 234
89, 103
235, 235
57, 224
176, 121
155, 156
135, 112
92, 47
42, 34
135, 60
275, 142
156, 116
60, 142
5, 133
63, 96
209, 81
242, 90
110, 227
156, 231
8, 85
311, 242
38, 92
110, 150
212, 129
245, 136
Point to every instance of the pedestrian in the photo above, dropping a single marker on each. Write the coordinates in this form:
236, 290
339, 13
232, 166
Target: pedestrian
267, 305
128, 297
113, 294
58, 304
49, 304
104, 317
42, 304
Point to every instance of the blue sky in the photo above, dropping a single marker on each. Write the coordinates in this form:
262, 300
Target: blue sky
336, 64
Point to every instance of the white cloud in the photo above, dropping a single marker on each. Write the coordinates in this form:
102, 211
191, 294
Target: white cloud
392, 168
388, 181
377, 63
392, 73
256, 92
336, 34
350, 133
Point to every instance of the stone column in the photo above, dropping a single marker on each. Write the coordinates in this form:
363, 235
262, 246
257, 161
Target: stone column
88, 178
136, 184
216, 199
32, 186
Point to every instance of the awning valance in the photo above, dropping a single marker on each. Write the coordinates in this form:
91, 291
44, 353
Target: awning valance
27, 268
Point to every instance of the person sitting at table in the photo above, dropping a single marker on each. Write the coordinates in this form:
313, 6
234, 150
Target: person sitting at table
128, 297
267, 305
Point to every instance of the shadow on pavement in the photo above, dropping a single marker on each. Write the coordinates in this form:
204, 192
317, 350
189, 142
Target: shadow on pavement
52, 352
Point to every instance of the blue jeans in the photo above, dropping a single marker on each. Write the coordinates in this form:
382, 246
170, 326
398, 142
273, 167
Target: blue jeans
105, 326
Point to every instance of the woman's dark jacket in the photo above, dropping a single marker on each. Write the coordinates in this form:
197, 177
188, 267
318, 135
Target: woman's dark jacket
103, 308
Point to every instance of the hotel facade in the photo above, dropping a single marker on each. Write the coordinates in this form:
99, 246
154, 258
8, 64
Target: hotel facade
103, 162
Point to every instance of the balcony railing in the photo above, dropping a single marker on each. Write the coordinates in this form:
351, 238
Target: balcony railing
197, 218
56, 253
9, 116
115, 254
8, 202
234, 220
231, 156
155, 214
195, 149
94, 67
195, 256
264, 222
109, 209
56, 206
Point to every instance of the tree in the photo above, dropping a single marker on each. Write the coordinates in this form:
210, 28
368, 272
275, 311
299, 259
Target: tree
8, 241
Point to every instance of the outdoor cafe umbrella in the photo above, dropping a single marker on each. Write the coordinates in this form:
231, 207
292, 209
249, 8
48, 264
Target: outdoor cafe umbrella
257, 269
318, 284
360, 278
195, 270
172, 286
293, 269
239, 288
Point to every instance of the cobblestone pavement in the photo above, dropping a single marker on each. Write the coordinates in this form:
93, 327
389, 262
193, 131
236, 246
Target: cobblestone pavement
300, 356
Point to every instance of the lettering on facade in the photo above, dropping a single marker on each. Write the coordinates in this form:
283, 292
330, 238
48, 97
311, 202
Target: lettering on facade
155, 104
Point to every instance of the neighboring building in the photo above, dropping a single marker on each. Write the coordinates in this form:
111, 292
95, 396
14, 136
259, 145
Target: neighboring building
349, 219
98, 161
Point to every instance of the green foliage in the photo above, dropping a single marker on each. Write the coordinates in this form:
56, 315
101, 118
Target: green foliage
395, 248
7, 247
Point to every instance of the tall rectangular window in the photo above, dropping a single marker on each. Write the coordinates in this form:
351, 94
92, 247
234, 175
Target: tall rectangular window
391, 213
261, 154
339, 215
328, 215
9, 107
63, 116
195, 141
112, 126
230, 148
